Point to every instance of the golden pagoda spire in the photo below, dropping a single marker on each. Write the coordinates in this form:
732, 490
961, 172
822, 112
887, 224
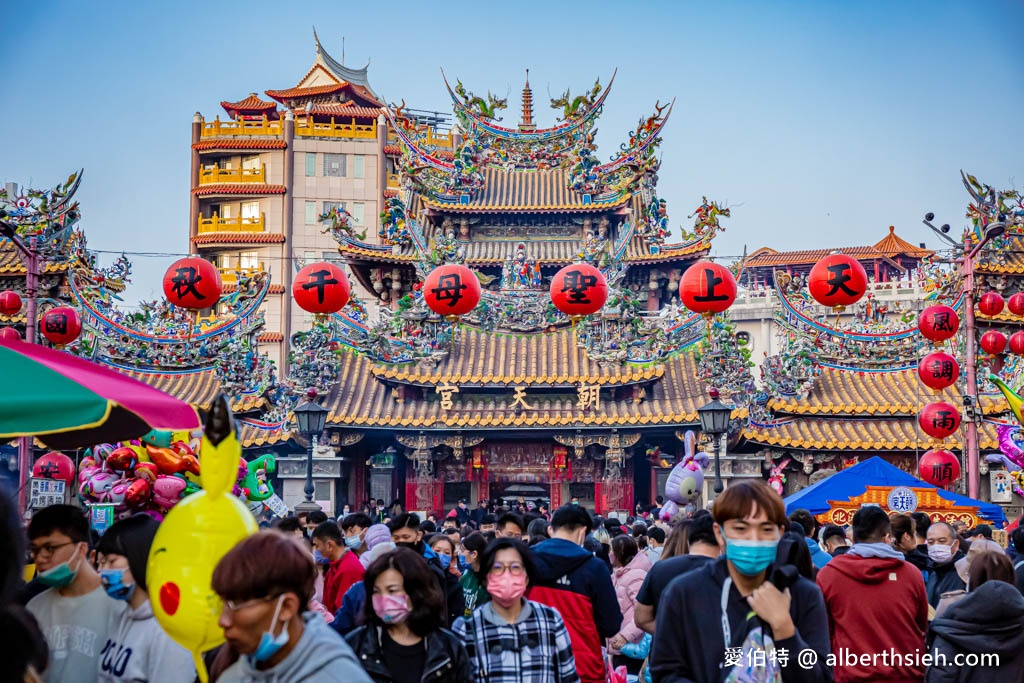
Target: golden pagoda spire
527, 123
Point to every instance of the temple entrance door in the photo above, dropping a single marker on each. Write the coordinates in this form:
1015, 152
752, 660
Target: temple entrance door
512, 491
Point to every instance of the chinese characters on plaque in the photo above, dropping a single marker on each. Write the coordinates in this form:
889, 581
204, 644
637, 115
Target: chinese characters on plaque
588, 397
446, 391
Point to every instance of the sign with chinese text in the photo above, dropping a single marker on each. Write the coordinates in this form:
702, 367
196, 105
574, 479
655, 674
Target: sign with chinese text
101, 517
902, 500
46, 492
276, 505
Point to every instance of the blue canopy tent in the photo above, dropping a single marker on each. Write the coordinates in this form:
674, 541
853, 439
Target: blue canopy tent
854, 481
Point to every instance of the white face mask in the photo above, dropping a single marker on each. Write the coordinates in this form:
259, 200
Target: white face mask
939, 553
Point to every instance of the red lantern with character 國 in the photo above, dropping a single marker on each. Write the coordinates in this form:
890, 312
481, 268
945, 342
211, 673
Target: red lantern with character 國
938, 370
939, 420
61, 325
579, 289
707, 288
192, 283
938, 323
837, 281
939, 468
321, 288
451, 290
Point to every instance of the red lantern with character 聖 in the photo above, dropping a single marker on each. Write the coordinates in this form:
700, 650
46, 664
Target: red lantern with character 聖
321, 288
451, 290
707, 288
192, 283
579, 289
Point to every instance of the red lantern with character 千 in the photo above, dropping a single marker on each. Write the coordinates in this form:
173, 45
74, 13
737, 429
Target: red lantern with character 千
192, 283
451, 290
993, 342
939, 468
321, 288
1017, 343
579, 289
938, 370
938, 323
10, 302
990, 304
707, 288
938, 420
837, 280
61, 325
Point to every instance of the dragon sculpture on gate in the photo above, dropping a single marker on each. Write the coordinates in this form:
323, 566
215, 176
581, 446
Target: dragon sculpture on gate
574, 108
393, 229
487, 109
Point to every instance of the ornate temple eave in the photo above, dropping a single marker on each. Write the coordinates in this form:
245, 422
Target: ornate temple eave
878, 434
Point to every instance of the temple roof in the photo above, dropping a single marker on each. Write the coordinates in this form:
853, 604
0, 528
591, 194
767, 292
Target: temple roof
196, 387
239, 143
835, 434
340, 110
526, 191
252, 103
890, 246
209, 238
894, 245
11, 264
1010, 259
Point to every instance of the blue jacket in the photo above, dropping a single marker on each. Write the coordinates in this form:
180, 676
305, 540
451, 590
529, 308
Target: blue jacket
350, 614
818, 556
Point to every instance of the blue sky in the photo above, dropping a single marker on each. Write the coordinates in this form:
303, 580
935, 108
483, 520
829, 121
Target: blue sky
819, 123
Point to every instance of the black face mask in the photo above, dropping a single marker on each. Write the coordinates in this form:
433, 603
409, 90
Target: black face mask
418, 547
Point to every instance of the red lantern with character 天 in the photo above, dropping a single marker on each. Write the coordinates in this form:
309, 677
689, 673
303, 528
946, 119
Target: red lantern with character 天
707, 288
579, 289
938, 370
321, 288
938, 420
837, 280
451, 290
939, 468
61, 325
192, 283
938, 323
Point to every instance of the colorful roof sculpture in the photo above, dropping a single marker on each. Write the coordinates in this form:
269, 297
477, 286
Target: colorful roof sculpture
329, 83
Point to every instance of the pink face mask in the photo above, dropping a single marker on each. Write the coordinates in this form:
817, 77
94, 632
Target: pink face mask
506, 589
392, 609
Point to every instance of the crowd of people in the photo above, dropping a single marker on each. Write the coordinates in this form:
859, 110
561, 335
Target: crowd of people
520, 594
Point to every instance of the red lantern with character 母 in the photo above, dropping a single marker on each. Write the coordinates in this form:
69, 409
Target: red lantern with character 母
707, 288
990, 304
938, 323
938, 370
451, 290
321, 288
61, 325
837, 280
938, 420
939, 468
192, 283
579, 289
993, 342
10, 302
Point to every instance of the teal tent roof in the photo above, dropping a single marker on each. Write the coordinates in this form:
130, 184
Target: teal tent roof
875, 471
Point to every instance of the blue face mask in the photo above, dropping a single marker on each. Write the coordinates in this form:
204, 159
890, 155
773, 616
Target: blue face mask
113, 584
269, 644
462, 563
320, 559
353, 542
445, 561
750, 557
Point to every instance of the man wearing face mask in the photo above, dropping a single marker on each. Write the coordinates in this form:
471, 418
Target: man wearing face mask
734, 607
344, 568
74, 613
405, 533
943, 554
354, 527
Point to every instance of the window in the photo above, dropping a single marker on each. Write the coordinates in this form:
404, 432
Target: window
357, 212
311, 213
226, 261
226, 211
322, 490
249, 260
308, 257
334, 165
310, 164
331, 256
250, 210
251, 163
331, 205
357, 168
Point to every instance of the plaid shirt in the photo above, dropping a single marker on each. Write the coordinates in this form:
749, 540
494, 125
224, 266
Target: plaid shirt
535, 649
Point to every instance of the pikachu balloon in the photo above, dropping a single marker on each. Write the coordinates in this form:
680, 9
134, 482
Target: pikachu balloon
194, 536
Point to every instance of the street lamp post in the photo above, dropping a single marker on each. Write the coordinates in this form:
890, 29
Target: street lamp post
311, 418
714, 421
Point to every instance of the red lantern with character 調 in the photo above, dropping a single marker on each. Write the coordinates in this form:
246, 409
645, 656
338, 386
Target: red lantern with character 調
993, 342
321, 288
938, 420
579, 289
10, 302
192, 283
707, 288
938, 370
451, 290
939, 468
837, 281
61, 325
938, 323
990, 304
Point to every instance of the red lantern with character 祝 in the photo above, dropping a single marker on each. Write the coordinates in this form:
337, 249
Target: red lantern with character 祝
990, 304
939, 468
10, 302
321, 288
837, 280
938, 370
993, 342
579, 289
707, 288
192, 283
939, 420
938, 323
451, 290
61, 325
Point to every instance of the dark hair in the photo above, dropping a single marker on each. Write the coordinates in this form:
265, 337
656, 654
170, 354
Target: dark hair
739, 500
870, 524
287, 524
64, 519
132, 538
405, 520
264, 565
656, 533
901, 526
984, 530
356, 519
12, 547
639, 529
428, 527
801, 555
489, 518
441, 537
625, 549
796, 528
570, 518
487, 561
316, 517
23, 644
701, 529
832, 531
328, 531
806, 520
990, 566
420, 584
537, 527
476, 542
1017, 537
921, 523
511, 517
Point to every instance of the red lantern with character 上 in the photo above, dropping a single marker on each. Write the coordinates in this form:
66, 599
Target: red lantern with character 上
579, 289
10, 302
321, 288
993, 342
939, 468
938, 323
837, 280
61, 325
990, 304
192, 283
938, 370
707, 288
938, 420
451, 290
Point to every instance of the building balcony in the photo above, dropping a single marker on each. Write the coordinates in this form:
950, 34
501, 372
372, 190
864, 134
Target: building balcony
209, 176
310, 128
243, 225
229, 274
219, 129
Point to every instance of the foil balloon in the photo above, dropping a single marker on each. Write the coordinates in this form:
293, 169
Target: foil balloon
123, 459
167, 491
1009, 445
138, 493
170, 461
257, 478
193, 537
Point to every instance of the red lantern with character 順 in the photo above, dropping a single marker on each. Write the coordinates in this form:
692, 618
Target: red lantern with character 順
837, 281
993, 342
451, 290
938, 370
192, 283
579, 289
321, 288
707, 288
990, 304
61, 325
938, 420
939, 468
938, 323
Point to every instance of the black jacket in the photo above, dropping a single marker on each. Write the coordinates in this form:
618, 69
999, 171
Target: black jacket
942, 578
918, 558
689, 646
987, 621
451, 589
446, 660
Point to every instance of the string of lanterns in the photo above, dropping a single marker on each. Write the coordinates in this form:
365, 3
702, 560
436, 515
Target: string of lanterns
939, 370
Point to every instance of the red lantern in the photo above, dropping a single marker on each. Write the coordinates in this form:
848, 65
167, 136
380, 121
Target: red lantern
707, 288
939, 468
579, 289
990, 304
938, 323
321, 288
61, 325
1017, 343
9, 334
837, 280
55, 465
10, 303
939, 420
938, 370
993, 342
451, 290
192, 283
1016, 303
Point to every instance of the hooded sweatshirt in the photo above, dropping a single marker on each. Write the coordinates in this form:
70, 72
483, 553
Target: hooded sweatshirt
876, 603
578, 585
320, 656
137, 649
989, 620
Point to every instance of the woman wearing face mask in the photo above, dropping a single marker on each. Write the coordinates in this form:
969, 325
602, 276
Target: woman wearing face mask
403, 639
265, 583
137, 649
445, 551
511, 639
473, 591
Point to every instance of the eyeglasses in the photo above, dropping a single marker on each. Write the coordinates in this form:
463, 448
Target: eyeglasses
46, 551
235, 606
515, 569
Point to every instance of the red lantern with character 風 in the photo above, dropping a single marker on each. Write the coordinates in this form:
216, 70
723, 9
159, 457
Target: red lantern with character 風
192, 283
939, 468
938, 323
837, 281
991, 304
993, 342
579, 289
61, 325
321, 288
707, 288
938, 370
451, 290
938, 420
